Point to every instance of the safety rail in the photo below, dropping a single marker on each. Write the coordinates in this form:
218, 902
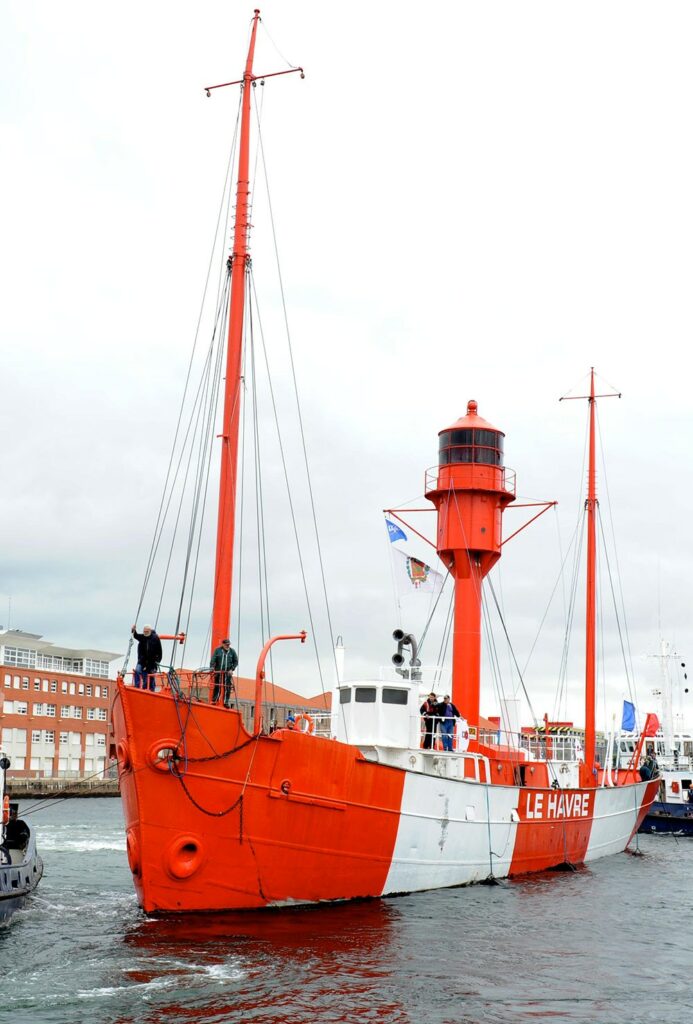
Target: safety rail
552, 748
198, 685
508, 476
318, 723
435, 738
431, 678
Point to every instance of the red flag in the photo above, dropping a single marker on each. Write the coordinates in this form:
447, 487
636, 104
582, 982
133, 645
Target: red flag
651, 725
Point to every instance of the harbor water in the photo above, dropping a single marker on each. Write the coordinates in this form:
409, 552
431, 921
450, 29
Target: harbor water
609, 943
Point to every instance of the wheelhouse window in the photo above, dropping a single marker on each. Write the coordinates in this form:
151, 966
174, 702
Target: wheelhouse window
345, 695
364, 694
393, 696
465, 446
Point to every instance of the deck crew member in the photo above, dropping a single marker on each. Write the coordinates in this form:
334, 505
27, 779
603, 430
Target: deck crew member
447, 714
224, 661
149, 655
429, 710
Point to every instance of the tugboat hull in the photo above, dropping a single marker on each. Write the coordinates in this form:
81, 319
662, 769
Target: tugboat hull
674, 819
20, 876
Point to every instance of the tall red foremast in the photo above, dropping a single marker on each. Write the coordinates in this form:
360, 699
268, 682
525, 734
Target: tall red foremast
226, 519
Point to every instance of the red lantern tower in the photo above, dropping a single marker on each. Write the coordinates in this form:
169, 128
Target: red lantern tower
470, 488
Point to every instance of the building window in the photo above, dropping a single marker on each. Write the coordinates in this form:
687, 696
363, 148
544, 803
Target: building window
38, 709
20, 707
104, 693
102, 714
72, 689
15, 682
36, 736
37, 684
91, 714
20, 657
89, 689
63, 686
76, 712
50, 710
49, 736
90, 739
8, 679
54, 685
8, 707
100, 740
80, 689
63, 737
65, 711
98, 691
25, 683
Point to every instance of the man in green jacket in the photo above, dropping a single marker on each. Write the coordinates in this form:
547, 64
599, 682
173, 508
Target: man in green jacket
224, 661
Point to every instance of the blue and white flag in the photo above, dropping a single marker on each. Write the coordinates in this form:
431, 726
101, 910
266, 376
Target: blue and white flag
628, 720
394, 531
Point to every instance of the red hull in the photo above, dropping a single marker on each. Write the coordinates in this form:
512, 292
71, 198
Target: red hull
239, 822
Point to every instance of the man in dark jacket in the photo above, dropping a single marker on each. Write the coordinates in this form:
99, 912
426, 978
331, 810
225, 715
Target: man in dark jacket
149, 655
447, 713
224, 661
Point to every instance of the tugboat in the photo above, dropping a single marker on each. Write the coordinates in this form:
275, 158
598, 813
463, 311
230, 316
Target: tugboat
20, 865
221, 814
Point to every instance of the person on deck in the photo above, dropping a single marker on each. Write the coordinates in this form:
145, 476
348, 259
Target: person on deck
447, 714
149, 655
224, 661
429, 710
649, 769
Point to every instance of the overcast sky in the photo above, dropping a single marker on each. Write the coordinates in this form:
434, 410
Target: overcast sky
472, 200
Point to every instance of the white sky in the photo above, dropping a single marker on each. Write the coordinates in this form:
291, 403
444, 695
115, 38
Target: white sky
472, 200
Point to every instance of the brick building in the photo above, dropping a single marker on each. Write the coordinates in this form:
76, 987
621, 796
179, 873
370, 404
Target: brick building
54, 707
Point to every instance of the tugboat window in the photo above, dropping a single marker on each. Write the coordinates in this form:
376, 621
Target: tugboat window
364, 694
392, 696
345, 696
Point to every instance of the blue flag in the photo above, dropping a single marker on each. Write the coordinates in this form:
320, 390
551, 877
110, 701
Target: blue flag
628, 720
394, 531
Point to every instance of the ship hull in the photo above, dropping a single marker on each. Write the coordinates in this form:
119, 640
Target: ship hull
241, 822
674, 819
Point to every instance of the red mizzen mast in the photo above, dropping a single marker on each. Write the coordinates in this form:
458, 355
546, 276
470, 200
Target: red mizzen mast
589, 777
226, 520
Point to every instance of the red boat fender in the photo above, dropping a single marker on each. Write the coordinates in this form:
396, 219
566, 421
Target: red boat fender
308, 720
674, 787
5, 809
184, 856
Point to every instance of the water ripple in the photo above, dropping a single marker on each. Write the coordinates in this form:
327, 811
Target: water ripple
609, 943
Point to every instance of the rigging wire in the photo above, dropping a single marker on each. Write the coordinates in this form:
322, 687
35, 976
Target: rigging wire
156, 535
299, 413
290, 498
619, 576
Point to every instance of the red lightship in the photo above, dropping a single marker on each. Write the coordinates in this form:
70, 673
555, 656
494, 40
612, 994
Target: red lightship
224, 817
